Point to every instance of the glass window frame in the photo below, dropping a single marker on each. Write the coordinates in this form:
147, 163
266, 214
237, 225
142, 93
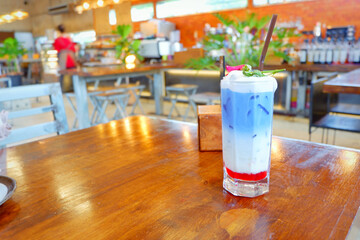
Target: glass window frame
196, 11
277, 3
143, 4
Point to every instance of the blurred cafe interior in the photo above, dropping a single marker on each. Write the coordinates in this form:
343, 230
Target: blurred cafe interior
112, 118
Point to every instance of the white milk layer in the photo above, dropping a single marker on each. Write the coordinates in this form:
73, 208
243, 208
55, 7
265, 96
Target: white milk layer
242, 154
236, 80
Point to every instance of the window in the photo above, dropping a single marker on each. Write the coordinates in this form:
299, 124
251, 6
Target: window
142, 12
172, 8
112, 17
264, 2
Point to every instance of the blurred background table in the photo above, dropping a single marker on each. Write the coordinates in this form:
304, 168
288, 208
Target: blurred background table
144, 178
81, 76
345, 83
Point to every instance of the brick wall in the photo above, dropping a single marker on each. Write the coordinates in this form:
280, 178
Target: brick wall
331, 12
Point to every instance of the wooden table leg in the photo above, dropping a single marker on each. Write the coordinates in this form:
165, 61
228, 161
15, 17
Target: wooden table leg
81, 102
158, 92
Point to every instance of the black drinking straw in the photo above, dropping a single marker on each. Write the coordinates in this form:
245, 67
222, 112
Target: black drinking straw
267, 41
222, 67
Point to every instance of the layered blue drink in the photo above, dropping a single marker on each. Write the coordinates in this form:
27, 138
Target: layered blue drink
247, 113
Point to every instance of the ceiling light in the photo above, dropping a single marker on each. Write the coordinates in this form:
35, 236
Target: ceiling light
116, 1
86, 5
79, 9
100, 3
7, 17
19, 14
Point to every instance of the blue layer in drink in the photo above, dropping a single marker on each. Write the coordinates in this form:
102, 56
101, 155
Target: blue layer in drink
247, 112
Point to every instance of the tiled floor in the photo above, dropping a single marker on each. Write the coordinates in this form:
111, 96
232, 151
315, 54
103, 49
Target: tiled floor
291, 127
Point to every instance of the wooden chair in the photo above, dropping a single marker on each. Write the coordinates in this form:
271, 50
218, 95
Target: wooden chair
58, 125
320, 111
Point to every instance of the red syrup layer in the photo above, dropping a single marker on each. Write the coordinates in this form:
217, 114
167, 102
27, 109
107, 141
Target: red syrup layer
247, 176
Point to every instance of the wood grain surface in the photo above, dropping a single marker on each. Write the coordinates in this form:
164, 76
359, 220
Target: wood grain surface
345, 83
114, 70
144, 178
209, 128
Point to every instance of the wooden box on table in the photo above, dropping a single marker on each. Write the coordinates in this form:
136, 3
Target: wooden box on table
209, 128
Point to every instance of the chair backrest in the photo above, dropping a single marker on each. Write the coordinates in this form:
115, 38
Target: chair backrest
6, 80
319, 101
58, 125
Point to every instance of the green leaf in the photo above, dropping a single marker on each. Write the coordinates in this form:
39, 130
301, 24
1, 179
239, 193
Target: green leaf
224, 19
136, 45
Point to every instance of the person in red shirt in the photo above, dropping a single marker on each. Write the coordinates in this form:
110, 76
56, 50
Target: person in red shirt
66, 51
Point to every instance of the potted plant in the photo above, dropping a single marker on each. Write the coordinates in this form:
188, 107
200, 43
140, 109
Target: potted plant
124, 45
242, 43
12, 50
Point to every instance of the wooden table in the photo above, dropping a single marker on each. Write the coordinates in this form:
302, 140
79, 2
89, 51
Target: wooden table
144, 178
345, 83
81, 76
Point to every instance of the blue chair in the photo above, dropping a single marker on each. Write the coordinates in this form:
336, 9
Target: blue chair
58, 125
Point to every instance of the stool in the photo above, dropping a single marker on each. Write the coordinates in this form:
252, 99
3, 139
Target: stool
206, 97
119, 98
136, 90
92, 101
188, 90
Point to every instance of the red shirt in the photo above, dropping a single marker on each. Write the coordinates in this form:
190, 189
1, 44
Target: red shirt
64, 43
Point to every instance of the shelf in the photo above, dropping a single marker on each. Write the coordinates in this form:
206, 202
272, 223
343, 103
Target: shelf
315, 67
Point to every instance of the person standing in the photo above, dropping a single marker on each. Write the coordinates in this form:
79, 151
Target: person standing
66, 51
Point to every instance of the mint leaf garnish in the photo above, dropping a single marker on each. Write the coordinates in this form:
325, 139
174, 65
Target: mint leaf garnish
248, 72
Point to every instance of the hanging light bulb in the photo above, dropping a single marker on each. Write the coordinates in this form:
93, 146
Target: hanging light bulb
116, 1
7, 17
130, 59
86, 5
19, 14
100, 3
79, 9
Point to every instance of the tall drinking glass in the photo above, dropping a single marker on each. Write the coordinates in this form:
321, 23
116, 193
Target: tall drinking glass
247, 113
